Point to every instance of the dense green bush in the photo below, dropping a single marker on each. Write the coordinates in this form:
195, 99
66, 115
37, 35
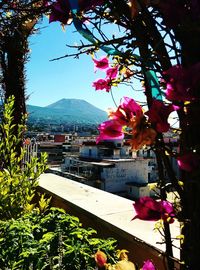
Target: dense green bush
50, 240
18, 178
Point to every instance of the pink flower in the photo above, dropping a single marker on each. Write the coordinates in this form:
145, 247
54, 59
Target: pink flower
110, 129
148, 265
149, 209
126, 111
167, 211
89, 4
158, 115
182, 84
189, 161
60, 11
101, 84
111, 73
102, 63
131, 107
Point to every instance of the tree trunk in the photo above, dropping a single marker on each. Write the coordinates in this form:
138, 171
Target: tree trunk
191, 202
13, 58
190, 141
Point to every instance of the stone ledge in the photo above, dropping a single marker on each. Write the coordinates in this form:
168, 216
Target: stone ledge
111, 215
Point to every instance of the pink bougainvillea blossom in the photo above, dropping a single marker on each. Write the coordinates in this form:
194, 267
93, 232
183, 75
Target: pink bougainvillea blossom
149, 209
110, 129
130, 114
119, 115
111, 73
142, 136
168, 211
89, 4
100, 258
102, 63
127, 110
182, 84
102, 84
148, 265
131, 107
60, 11
158, 115
189, 161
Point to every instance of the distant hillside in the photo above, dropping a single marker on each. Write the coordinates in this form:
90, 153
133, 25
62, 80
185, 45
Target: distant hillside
66, 111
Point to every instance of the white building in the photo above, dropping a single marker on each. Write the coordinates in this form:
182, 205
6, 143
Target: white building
110, 163
132, 171
105, 150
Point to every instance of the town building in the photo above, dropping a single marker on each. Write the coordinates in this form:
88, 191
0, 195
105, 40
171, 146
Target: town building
110, 166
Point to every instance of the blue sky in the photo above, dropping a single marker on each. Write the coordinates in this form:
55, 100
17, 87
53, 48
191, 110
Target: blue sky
47, 82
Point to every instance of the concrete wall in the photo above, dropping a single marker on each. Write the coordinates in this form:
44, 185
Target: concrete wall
137, 192
89, 151
132, 170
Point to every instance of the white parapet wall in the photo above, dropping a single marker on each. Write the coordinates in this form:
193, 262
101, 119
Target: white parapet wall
110, 214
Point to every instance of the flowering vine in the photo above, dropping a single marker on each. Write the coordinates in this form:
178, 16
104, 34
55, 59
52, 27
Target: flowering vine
161, 42
149, 209
111, 74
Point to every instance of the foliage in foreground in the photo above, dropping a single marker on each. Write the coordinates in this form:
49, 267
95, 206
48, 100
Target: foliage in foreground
37, 237
18, 178
50, 240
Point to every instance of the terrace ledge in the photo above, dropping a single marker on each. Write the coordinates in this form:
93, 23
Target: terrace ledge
110, 212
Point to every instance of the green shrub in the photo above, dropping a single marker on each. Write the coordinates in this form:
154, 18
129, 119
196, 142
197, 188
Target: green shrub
37, 238
50, 240
18, 180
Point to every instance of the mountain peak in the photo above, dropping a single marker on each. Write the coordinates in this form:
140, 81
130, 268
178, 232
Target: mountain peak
67, 103
69, 110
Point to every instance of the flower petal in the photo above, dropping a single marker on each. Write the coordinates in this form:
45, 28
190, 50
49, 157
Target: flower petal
102, 63
111, 73
60, 11
182, 83
147, 209
110, 130
189, 161
148, 265
101, 84
158, 115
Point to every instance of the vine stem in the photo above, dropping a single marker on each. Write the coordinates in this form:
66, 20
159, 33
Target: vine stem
113, 99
